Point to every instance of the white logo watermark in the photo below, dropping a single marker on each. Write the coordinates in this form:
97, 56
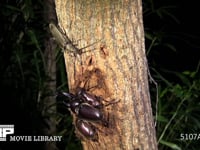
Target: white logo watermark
5, 130
9, 129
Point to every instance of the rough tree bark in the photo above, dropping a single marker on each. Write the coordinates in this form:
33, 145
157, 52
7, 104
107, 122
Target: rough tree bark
114, 68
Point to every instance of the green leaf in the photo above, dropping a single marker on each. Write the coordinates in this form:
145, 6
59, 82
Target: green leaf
171, 145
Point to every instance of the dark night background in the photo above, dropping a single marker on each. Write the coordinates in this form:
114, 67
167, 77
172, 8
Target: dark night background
175, 57
184, 35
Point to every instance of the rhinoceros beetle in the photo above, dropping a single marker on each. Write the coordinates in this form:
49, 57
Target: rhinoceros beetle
70, 100
82, 97
82, 106
87, 129
88, 110
89, 98
90, 113
95, 101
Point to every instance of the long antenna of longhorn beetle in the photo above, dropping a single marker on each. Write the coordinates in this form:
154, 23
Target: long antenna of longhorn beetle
63, 40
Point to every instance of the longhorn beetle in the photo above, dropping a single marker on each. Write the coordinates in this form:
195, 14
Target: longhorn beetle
64, 41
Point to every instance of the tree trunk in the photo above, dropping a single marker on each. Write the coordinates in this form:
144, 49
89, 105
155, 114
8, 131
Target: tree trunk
48, 102
113, 66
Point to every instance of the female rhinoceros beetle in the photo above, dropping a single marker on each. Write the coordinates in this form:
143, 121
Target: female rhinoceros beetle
87, 129
95, 101
90, 113
82, 97
89, 98
70, 100
88, 110
83, 108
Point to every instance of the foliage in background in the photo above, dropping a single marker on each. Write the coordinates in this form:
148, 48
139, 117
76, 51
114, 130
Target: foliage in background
21, 54
22, 66
178, 111
178, 91
22, 75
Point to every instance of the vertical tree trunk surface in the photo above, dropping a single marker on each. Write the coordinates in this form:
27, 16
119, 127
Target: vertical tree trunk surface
48, 107
113, 67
